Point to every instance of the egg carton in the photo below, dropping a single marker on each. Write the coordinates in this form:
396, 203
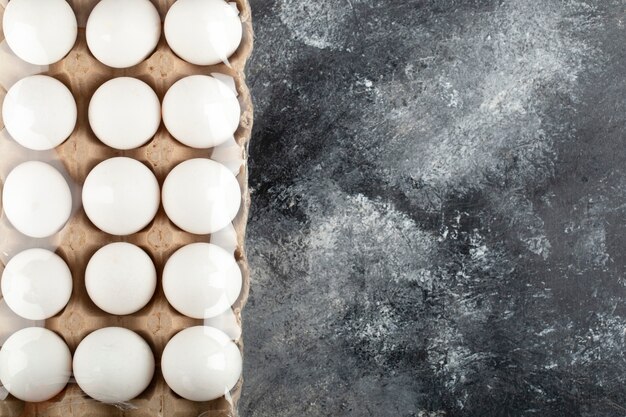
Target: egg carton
80, 239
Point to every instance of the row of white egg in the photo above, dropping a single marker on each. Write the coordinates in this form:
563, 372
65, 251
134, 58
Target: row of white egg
115, 365
123, 33
121, 196
200, 111
200, 280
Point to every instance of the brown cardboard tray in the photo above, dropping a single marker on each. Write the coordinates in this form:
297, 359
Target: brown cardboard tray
80, 239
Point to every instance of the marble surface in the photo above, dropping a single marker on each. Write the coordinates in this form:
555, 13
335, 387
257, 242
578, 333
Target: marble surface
439, 209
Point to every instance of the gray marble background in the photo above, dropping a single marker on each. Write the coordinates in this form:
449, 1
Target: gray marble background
439, 209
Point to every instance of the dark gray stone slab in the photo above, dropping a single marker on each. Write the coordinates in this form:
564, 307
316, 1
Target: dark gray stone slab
439, 209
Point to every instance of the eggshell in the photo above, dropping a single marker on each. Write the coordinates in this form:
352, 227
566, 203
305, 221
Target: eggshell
124, 113
39, 112
203, 32
201, 111
40, 32
201, 363
201, 280
113, 365
36, 199
120, 278
36, 284
121, 196
35, 364
201, 196
122, 33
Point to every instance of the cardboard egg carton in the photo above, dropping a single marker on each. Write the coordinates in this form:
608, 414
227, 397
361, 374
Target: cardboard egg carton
80, 239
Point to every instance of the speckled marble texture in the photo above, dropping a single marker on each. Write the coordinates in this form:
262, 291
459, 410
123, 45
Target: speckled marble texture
439, 209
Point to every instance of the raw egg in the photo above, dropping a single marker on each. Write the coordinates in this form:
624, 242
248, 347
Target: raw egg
36, 284
201, 196
35, 364
121, 196
201, 280
201, 111
113, 365
122, 33
36, 199
39, 112
201, 363
120, 278
203, 32
124, 113
40, 32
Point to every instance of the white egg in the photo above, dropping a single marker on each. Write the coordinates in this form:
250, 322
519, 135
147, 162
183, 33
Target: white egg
35, 364
113, 365
124, 113
37, 200
123, 33
36, 284
201, 280
201, 364
40, 32
203, 32
201, 196
120, 278
121, 196
201, 111
39, 112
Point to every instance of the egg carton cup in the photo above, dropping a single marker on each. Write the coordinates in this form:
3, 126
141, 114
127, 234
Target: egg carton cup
158, 322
